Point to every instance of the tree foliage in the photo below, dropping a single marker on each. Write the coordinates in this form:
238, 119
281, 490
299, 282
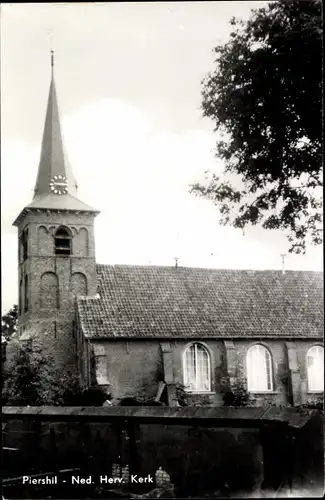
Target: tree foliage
32, 378
9, 323
237, 393
265, 98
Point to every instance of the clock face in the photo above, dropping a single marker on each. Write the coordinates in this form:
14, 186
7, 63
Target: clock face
58, 184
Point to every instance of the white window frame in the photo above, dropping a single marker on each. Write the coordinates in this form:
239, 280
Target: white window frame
252, 385
185, 376
319, 354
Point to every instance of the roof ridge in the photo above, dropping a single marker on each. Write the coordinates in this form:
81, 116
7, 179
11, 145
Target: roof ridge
157, 266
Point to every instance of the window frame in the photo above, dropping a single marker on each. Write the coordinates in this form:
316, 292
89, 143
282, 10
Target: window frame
309, 389
66, 237
208, 354
271, 371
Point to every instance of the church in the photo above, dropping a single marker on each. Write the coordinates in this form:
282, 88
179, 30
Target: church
149, 329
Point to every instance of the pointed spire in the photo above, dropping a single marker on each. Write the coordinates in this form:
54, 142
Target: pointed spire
55, 187
53, 166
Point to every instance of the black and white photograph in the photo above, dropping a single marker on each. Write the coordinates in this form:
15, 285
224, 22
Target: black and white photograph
162, 321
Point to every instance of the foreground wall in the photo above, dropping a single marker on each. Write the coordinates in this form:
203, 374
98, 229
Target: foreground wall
202, 451
198, 460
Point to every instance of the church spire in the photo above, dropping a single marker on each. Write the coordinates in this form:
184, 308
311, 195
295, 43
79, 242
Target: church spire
56, 187
54, 173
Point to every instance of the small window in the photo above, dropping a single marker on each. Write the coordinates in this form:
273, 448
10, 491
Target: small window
26, 294
259, 369
24, 244
20, 301
315, 368
196, 369
63, 242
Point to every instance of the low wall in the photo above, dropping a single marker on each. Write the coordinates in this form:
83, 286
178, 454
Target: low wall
196, 459
201, 448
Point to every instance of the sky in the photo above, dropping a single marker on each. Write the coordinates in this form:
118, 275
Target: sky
128, 79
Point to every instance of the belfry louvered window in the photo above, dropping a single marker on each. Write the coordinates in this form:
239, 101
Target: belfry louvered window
259, 369
315, 368
63, 241
196, 369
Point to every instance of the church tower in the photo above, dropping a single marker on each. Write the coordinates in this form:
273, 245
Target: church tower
56, 261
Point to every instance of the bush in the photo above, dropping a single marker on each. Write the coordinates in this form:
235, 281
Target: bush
314, 405
181, 395
32, 378
237, 394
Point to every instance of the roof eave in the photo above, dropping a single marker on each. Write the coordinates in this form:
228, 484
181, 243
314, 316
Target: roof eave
201, 337
22, 214
26, 210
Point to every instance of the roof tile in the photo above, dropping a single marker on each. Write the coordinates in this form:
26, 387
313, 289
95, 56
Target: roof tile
167, 302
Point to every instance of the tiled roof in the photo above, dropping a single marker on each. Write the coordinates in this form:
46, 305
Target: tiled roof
56, 202
170, 302
63, 202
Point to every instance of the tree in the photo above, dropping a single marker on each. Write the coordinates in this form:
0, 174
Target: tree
9, 323
32, 378
265, 98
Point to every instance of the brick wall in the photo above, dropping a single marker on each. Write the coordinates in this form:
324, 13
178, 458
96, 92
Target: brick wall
83, 356
287, 356
131, 365
54, 281
134, 365
128, 367
301, 348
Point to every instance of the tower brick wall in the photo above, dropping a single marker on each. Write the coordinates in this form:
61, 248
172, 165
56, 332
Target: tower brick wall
55, 280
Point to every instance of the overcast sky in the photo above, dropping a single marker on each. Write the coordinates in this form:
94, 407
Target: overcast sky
128, 81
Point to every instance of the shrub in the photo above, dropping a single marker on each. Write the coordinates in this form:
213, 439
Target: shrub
32, 378
237, 394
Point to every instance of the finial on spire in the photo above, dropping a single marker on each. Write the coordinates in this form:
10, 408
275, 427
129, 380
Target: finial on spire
52, 59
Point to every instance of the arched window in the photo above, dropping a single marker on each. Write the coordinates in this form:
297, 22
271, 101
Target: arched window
26, 294
259, 369
315, 368
24, 245
49, 291
20, 304
63, 241
196, 369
